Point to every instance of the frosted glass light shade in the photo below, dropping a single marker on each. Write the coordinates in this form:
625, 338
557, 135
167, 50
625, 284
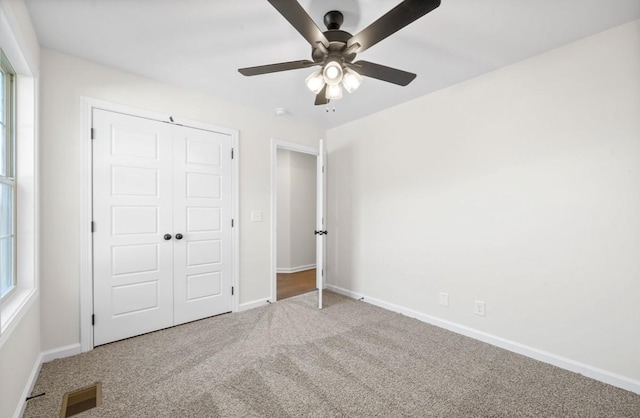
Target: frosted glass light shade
351, 80
332, 73
315, 81
334, 92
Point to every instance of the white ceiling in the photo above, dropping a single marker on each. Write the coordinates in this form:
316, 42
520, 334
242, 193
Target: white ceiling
200, 44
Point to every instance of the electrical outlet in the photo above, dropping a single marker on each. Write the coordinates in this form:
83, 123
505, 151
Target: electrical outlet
478, 307
444, 299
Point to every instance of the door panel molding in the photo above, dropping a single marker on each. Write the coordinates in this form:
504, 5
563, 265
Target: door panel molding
88, 105
201, 161
133, 273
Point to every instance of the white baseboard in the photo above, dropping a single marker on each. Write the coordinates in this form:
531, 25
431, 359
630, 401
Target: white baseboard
595, 373
62, 352
253, 304
295, 269
28, 387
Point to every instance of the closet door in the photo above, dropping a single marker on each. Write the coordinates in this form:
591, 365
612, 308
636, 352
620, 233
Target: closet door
132, 211
202, 217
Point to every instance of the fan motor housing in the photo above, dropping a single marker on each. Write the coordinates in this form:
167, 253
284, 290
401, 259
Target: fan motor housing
337, 38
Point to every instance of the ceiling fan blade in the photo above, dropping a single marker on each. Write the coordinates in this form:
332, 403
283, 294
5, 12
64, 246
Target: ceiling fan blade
391, 75
300, 19
321, 98
274, 68
397, 18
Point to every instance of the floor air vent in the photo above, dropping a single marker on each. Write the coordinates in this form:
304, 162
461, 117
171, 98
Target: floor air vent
81, 400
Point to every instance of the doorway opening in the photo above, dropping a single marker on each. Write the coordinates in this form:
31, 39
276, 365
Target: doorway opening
294, 219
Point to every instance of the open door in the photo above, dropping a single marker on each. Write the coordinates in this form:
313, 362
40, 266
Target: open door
321, 232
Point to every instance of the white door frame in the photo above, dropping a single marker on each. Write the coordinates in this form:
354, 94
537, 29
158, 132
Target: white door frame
86, 184
277, 144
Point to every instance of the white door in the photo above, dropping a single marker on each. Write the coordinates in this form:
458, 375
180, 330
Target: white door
202, 216
321, 232
151, 182
132, 205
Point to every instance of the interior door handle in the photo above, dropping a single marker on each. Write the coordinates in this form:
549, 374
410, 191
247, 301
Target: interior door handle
179, 236
167, 237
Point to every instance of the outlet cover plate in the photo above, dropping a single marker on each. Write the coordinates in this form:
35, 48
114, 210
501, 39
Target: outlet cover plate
444, 299
478, 308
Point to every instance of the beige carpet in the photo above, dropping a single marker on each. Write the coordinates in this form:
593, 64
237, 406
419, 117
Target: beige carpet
351, 359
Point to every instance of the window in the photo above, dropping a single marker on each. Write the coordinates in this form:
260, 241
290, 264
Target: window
18, 172
7, 178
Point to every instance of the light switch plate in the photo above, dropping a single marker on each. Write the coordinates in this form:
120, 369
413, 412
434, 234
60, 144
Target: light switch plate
256, 216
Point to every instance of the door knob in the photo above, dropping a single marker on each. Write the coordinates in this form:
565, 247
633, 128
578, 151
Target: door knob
179, 236
167, 237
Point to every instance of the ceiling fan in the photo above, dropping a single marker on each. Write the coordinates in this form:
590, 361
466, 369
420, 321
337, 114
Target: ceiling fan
335, 50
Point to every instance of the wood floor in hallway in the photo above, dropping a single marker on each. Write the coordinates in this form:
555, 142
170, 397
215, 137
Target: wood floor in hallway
294, 284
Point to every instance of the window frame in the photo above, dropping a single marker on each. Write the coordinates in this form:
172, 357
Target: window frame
9, 177
21, 48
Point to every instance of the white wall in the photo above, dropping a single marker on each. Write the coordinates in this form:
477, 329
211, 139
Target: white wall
64, 80
520, 188
19, 362
296, 217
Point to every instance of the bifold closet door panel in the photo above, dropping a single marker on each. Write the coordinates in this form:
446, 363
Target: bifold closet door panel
202, 216
132, 212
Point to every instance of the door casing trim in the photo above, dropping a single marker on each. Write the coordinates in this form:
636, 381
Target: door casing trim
87, 104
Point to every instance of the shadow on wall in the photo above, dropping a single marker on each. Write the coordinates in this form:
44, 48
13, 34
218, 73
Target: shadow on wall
341, 183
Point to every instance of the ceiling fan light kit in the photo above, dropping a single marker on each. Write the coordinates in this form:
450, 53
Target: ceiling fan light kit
334, 92
335, 50
315, 81
332, 73
351, 80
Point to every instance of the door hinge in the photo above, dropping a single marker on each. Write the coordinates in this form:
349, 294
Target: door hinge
93, 226
232, 223
93, 133
232, 153
322, 169
93, 319
231, 290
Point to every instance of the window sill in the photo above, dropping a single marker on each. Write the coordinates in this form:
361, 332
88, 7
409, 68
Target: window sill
13, 309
